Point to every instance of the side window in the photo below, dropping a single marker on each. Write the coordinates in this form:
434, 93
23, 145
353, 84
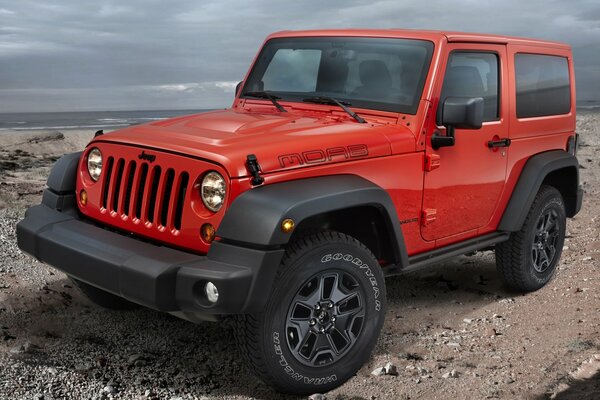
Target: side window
542, 85
473, 74
293, 71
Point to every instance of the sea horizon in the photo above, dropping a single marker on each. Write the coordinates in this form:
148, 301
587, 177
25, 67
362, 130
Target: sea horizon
114, 119
65, 120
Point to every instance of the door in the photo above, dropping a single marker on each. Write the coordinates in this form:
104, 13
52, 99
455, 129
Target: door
464, 183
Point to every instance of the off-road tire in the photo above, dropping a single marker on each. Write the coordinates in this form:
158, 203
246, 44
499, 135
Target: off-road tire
516, 260
264, 339
102, 298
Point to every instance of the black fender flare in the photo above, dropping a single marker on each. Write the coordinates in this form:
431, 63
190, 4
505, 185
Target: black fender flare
60, 194
534, 172
256, 215
63, 175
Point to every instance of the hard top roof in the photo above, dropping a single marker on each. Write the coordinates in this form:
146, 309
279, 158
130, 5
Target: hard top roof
431, 35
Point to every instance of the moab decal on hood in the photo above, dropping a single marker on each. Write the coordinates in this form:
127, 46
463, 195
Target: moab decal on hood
279, 141
318, 156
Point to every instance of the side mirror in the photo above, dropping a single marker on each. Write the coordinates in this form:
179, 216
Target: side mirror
463, 113
457, 112
237, 88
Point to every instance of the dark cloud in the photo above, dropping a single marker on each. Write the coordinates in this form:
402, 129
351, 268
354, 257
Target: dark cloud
65, 55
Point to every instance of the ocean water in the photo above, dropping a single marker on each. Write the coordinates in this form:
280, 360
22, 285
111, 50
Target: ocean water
84, 120
118, 119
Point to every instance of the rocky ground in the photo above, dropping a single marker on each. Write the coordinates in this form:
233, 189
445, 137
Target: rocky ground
452, 332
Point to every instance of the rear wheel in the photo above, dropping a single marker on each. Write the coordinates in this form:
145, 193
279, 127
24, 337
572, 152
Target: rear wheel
322, 319
102, 298
527, 261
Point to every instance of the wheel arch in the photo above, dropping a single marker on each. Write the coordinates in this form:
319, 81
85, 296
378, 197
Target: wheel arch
565, 180
326, 202
556, 168
366, 223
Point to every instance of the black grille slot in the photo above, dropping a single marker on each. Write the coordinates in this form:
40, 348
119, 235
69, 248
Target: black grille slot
129, 187
139, 198
153, 193
166, 200
105, 188
184, 180
119, 179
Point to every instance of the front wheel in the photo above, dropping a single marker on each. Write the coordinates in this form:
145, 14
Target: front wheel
322, 319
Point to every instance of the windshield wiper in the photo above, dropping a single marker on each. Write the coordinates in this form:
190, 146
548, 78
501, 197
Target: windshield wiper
332, 101
268, 96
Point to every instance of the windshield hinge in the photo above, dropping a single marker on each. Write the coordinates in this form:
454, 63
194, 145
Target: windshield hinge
254, 169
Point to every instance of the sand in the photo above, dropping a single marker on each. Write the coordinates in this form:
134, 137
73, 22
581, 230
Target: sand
27, 156
452, 331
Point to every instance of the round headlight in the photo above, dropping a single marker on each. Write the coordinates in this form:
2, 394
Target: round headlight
94, 163
213, 191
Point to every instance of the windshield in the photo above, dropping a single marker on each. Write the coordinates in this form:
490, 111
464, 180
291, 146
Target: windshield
372, 73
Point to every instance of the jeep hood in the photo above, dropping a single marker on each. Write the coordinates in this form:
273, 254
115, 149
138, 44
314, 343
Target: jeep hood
279, 141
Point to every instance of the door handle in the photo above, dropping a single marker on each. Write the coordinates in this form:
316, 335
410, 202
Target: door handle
492, 144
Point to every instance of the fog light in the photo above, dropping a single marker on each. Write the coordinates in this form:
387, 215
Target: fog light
287, 225
208, 233
212, 294
83, 197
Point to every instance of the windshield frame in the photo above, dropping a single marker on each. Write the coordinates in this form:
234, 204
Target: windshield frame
273, 44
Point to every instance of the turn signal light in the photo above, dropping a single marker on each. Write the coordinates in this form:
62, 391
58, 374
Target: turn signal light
207, 232
83, 198
287, 225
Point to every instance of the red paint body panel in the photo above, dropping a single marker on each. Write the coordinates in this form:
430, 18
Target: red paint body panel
519, 153
467, 192
227, 137
537, 126
533, 135
465, 188
400, 175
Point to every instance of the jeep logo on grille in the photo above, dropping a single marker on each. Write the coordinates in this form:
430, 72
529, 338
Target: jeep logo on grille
147, 157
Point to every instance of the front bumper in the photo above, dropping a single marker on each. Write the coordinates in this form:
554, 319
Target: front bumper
152, 275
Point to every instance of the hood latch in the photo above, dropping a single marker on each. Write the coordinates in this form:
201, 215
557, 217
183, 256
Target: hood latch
254, 169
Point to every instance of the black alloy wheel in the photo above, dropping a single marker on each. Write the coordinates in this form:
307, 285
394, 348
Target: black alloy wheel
543, 249
325, 318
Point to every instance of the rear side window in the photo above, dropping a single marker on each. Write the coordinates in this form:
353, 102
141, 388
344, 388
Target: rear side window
542, 85
473, 74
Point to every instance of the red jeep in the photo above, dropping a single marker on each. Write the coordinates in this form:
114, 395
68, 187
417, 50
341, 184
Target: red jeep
347, 156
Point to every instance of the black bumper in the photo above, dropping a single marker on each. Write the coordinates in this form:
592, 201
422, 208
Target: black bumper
155, 276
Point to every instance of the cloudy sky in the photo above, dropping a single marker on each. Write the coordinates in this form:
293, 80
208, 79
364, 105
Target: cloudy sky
144, 54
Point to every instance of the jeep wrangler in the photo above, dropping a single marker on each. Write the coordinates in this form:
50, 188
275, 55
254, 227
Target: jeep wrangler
346, 157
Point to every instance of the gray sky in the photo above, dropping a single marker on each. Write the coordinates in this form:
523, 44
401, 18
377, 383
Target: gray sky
143, 54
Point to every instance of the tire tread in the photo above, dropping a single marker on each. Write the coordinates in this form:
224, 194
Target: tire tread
247, 326
511, 255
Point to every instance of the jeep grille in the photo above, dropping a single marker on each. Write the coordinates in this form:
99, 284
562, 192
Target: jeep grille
154, 195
